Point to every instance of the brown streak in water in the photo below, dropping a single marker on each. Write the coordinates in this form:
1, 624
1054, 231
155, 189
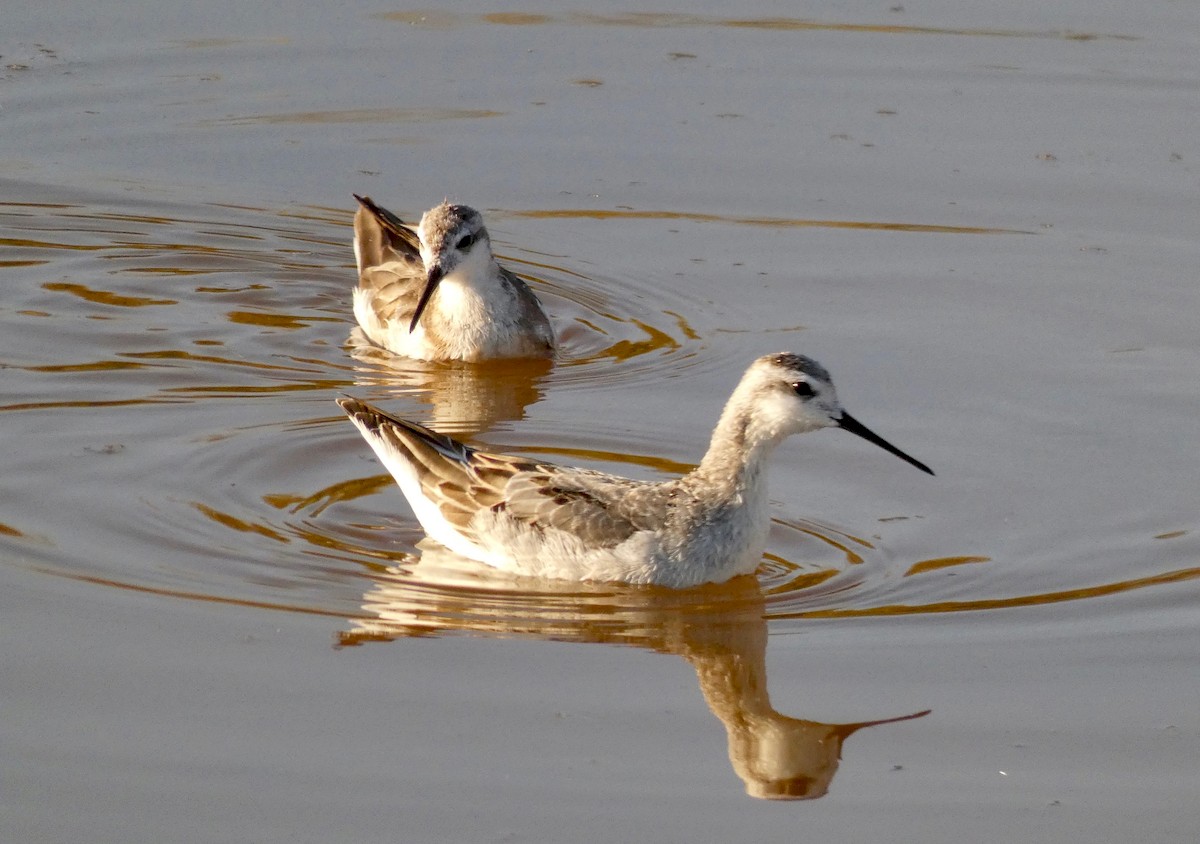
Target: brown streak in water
237, 524
799, 582
96, 366
198, 596
177, 354
55, 405
682, 324
518, 19
766, 222
508, 259
344, 491
166, 271
242, 389
821, 530
268, 320
851, 557
660, 19
657, 340
1178, 576
103, 297
9, 531
358, 115
55, 205
166, 355
943, 563
39, 244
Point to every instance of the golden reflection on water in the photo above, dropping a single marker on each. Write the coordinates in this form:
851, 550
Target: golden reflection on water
721, 631
331, 384
190, 357
1098, 591
24, 243
233, 523
358, 115
89, 405
276, 320
597, 308
839, 541
93, 366
445, 20
464, 398
105, 297
942, 563
316, 502
763, 222
168, 358
190, 595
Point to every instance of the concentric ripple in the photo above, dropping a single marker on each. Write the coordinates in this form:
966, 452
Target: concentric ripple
172, 368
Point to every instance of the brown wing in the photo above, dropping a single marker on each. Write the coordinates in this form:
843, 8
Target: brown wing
390, 269
387, 236
601, 510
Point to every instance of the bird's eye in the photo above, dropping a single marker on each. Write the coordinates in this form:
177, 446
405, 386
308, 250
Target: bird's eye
466, 243
803, 389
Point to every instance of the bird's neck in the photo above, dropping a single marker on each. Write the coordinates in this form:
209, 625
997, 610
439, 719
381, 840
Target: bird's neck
740, 447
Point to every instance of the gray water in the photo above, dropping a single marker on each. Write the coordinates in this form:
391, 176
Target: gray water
219, 622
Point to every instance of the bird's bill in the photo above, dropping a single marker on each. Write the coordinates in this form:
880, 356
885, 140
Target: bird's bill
849, 423
431, 282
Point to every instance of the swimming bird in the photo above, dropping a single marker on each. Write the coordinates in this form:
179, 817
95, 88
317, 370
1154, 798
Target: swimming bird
540, 519
435, 292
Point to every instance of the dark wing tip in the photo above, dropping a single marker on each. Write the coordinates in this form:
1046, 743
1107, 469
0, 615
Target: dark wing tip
369, 204
387, 219
377, 422
372, 418
350, 405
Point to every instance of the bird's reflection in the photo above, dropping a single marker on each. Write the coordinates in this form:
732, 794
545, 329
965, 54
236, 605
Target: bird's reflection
719, 629
465, 398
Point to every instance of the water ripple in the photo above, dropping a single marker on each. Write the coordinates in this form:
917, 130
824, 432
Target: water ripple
175, 365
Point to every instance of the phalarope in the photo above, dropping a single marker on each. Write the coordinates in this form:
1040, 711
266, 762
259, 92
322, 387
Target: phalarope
540, 519
435, 292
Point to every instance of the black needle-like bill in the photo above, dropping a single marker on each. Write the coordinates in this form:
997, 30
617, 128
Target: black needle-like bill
849, 423
431, 283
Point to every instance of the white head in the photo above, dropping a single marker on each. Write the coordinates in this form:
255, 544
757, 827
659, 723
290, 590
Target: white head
451, 236
793, 394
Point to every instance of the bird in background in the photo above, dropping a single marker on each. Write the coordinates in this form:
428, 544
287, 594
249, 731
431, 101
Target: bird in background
435, 291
